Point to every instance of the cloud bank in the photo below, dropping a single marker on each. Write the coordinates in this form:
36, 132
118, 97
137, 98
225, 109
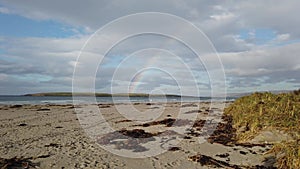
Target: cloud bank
257, 41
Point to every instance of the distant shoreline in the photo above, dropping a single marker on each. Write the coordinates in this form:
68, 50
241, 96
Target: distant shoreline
102, 94
57, 94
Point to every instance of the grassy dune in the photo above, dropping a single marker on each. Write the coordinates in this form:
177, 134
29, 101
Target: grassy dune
260, 111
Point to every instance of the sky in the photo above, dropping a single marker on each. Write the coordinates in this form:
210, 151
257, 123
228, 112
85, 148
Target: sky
44, 43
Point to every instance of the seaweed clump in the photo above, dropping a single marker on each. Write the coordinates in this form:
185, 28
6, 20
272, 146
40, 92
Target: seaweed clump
128, 139
168, 122
224, 133
17, 163
211, 162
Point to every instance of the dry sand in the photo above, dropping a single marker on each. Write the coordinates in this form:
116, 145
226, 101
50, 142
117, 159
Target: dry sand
57, 136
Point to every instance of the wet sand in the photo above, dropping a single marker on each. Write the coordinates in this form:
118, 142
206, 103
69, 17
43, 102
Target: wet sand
142, 135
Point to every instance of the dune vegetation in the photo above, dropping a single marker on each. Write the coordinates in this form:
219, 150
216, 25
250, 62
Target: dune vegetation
260, 111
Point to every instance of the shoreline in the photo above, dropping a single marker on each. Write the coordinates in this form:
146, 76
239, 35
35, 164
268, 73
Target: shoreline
70, 100
129, 102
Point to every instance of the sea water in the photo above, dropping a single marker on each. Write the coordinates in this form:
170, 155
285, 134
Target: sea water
70, 100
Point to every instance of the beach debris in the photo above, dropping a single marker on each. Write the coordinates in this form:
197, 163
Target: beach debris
71, 107
53, 145
43, 109
187, 137
211, 162
193, 133
193, 111
243, 152
155, 107
124, 134
58, 127
225, 155
224, 133
250, 145
252, 152
174, 149
137, 133
199, 124
21, 163
43, 156
132, 139
169, 122
122, 121
104, 106
16, 106
22, 124
127, 139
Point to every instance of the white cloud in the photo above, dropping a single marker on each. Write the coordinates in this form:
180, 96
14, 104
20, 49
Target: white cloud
266, 66
223, 16
282, 16
246, 63
5, 10
283, 37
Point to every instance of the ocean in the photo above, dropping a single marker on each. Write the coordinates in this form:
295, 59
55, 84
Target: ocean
69, 100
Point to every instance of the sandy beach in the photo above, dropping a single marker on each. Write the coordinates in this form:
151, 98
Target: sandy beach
55, 136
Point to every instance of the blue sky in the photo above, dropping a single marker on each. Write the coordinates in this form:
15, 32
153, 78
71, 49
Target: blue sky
21, 27
258, 44
259, 35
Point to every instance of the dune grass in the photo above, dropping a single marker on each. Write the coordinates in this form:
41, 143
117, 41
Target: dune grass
260, 111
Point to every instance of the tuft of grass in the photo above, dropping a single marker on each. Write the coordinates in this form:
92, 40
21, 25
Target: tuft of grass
260, 111
288, 154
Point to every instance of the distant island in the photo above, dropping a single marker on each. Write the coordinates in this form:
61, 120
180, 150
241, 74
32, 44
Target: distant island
70, 94
66, 94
